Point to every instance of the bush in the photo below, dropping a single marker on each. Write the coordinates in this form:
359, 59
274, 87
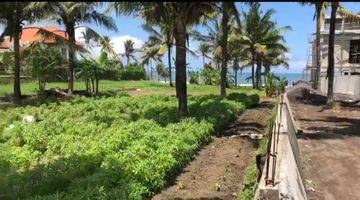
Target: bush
132, 72
119, 147
249, 101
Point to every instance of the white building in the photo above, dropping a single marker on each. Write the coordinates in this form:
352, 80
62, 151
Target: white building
347, 56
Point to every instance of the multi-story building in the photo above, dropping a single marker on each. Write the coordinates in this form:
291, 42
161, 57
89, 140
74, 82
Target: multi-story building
347, 56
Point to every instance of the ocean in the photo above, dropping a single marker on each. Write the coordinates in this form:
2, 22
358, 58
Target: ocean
291, 77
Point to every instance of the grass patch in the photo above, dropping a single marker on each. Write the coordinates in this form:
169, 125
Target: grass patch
30, 88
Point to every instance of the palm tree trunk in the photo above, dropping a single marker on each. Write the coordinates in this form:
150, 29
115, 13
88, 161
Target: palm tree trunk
169, 58
224, 57
258, 74
181, 64
318, 60
71, 32
330, 70
253, 73
17, 89
235, 76
97, 81
266, 72
203, 57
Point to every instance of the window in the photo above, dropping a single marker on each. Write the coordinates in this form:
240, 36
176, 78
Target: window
354, 54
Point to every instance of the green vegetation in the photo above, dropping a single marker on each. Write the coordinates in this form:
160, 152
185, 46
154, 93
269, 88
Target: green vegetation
116, 147
29, 88
250, 180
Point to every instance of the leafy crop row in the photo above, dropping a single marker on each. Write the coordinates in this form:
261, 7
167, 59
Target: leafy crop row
118, 147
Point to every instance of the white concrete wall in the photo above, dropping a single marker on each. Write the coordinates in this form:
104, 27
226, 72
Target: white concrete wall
343, 84
288, 175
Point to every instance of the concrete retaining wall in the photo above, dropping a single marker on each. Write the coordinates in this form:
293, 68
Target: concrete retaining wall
343, 84
288, 181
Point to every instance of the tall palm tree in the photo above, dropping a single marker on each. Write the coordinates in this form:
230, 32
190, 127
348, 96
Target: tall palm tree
204, 50
320, 11
74, 15
129, 51
165, 39
259, 34
335, 7
228, 9
150, 54
13, 15
274, 57
187, 13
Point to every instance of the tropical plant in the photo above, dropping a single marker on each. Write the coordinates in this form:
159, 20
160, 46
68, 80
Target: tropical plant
129, 51
204, 50
187, 14
13, 15
73, 15
162, 71
194, 77
260, 35
164, 39
274, 85
43, 59
320, 12
211, 75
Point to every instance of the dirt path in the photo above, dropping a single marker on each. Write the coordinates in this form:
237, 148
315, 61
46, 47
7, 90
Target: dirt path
217, 171
329, 147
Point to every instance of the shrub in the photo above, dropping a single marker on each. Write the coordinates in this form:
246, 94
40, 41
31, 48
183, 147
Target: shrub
249, 101
118, 147
133, 71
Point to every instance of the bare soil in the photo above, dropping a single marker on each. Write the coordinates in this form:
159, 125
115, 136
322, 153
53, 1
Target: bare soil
218, 169
329, 147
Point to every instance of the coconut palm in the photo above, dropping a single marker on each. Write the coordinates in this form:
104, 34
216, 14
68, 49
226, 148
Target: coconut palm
129, 51
164, 38
204, 50
13, 15
187, 13
150, 54
335, 7
74, 15
259, 34
320, 11
274, 57
227, 10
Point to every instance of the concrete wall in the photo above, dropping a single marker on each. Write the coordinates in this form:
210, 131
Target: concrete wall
288, 181
343, 84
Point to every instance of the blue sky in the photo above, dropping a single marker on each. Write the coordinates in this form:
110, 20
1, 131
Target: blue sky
300, 18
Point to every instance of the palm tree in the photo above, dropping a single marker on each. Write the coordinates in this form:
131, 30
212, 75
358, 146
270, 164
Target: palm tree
204, 50
335, 7
259, 34
129, 51
274, 57
72, 15
185, 14
165, 39
13, 15
320, 11
150, 54
227, 9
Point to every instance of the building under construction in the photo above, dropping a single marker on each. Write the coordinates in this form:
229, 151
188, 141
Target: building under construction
347, 56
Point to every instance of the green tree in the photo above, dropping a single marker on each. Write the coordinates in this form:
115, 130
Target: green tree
259, 35
320, 11
43, 59
129, 51
204, 50
187, 13
74, 15
13, 15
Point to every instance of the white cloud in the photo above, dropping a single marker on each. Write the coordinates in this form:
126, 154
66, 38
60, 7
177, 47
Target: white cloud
116, 41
